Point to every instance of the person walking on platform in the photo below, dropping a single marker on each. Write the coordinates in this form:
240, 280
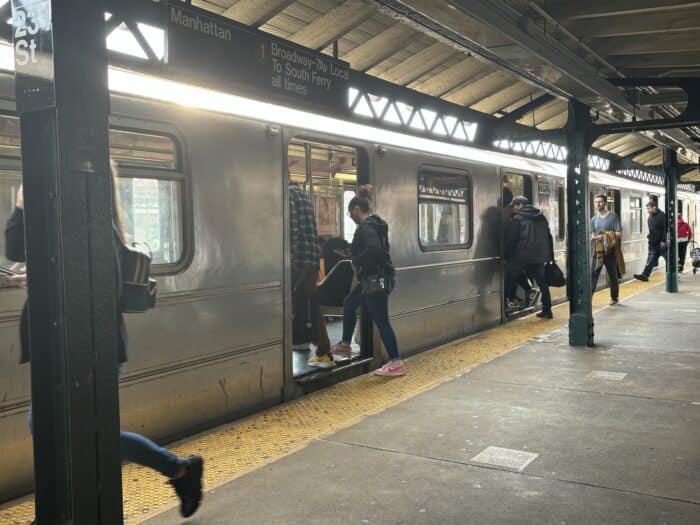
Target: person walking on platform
657, 239
375, 273
309, 324
529, 242
185, 474
606, 231
685, 234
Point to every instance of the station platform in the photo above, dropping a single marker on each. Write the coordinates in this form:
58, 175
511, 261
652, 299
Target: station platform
508, 426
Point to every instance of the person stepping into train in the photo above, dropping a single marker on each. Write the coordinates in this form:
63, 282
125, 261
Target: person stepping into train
375, 273
606, 231
657, 240
530, 242
184, 474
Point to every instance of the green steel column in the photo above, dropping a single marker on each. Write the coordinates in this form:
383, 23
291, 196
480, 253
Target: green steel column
671, 180
63, 103
579, 140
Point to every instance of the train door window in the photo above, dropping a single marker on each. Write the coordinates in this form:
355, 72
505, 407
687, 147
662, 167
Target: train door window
517, 184
547, 203
613, 198
444, 209
635, 215
151, 188
329, 174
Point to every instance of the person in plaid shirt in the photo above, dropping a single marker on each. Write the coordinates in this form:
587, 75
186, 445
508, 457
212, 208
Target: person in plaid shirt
306, 256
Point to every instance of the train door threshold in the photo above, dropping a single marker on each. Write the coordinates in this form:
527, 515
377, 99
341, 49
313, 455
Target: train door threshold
338, 372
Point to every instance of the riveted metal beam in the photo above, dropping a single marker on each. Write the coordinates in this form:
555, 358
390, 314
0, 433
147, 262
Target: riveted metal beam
529, 107
580, 137
70, 261
672, 174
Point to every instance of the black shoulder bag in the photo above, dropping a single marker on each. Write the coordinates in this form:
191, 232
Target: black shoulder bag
138, 288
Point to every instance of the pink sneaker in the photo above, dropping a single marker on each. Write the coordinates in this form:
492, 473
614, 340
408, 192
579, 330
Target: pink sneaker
341, 349
391, 369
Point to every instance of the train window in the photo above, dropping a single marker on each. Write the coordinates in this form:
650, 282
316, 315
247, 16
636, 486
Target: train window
10, 146
635, 215
9, 185
152, 216
613, 198
151, 189
142, 150
150, 185
444, 210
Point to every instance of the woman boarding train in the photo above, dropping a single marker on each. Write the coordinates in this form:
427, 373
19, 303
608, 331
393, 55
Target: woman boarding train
184, 474
375, 273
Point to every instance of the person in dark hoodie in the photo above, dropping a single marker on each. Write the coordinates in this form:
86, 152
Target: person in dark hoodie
529, 242
657, 239
370, 256
185, 474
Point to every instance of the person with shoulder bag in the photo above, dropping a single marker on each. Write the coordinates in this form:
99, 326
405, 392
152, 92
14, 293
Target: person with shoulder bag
375, 273
135, 293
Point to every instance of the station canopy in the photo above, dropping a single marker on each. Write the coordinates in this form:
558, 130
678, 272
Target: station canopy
518, 59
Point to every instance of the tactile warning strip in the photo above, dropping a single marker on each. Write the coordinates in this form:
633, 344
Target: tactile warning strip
247, 444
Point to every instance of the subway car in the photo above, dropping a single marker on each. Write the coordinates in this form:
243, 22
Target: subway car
203, 181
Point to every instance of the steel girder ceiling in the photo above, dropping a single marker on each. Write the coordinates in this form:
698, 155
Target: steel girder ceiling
562, 48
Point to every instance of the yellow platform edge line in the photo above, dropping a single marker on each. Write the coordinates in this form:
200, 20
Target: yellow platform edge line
236, 448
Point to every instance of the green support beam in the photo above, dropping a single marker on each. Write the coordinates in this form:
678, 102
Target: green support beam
63, 103
580, 137
672, 171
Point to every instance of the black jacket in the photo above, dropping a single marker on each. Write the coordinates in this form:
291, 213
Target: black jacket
657, 228
370, 247
15, 251
528, 239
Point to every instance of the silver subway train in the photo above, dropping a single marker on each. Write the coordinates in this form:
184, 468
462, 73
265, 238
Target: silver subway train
203, 182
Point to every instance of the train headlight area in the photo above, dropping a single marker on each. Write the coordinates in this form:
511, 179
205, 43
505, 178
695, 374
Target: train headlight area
289, 177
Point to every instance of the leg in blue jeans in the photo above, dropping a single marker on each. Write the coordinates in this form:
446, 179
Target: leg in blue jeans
379, 308
652, 260
139, 449
350, 305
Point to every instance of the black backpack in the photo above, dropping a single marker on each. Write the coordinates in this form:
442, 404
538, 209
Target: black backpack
137, 289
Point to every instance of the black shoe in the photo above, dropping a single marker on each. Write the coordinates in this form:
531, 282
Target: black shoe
189, 486
545, 314
641, 277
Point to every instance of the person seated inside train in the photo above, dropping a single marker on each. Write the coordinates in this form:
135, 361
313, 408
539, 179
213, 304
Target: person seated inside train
308, 323
333, 250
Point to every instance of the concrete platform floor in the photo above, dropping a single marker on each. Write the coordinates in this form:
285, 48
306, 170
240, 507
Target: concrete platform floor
605, 435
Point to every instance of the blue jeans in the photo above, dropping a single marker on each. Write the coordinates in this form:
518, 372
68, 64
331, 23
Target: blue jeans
139, 449
378, 307
652, 259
